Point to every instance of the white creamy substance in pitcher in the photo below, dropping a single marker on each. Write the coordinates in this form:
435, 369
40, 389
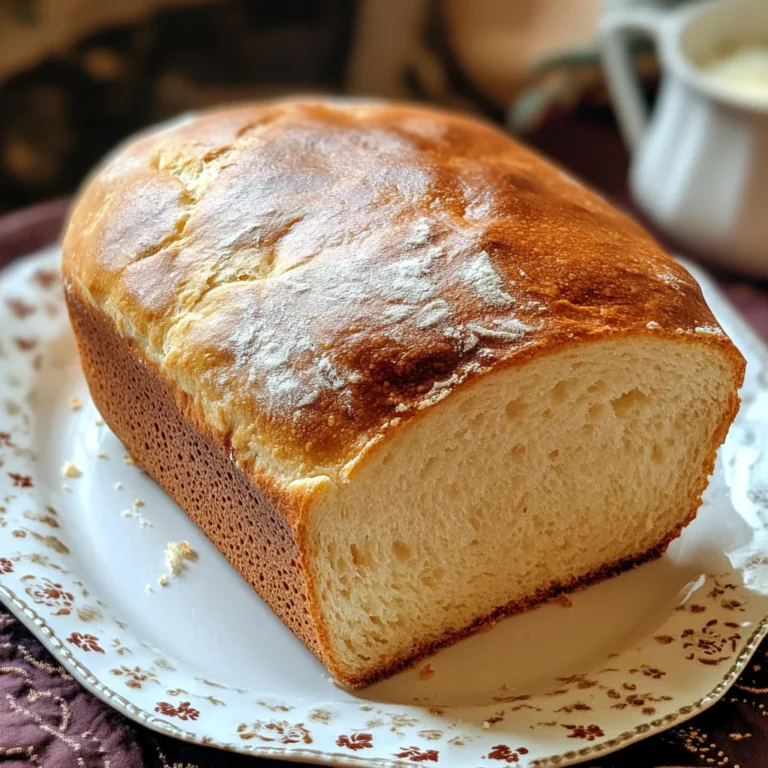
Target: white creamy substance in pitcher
745, 71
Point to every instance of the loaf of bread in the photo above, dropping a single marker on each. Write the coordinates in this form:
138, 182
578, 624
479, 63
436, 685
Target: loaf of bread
407, 376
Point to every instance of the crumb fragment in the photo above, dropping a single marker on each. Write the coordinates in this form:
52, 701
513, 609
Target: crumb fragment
101, 455
486, 725
129, 460
565, 600
143, 522
127, 513
75, 404
70, 470
426, 672
176, 553
118, 485
162, 580
138, 502
99, 422
148, 588
66, 487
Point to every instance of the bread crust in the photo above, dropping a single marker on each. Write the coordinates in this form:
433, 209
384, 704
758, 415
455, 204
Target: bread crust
315, 276
195, 273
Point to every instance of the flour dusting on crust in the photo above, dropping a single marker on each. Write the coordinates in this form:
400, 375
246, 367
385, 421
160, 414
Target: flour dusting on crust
486, 281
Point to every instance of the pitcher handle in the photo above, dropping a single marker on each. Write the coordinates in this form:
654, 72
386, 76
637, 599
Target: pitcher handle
623, 85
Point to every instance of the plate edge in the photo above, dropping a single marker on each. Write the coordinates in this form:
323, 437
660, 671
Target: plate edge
31, 619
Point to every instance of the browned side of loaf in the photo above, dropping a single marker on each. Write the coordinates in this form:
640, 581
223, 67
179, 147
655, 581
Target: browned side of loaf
141, 409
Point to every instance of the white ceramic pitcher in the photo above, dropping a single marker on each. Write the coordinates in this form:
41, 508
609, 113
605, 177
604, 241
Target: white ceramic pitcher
700, 162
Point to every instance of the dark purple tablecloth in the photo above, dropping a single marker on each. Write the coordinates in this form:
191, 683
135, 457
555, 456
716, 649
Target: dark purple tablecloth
48, 720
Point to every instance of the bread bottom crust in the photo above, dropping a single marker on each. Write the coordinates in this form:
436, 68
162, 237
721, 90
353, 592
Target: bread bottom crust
196, 471
424, 650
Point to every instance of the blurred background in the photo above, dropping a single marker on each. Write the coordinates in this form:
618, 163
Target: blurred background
689, 156
76, 76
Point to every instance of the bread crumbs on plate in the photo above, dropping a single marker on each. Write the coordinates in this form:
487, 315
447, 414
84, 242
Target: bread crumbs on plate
129, 460
70, 470
101, 455
565, 600
75, 403
176, 553
426, 672
162, 580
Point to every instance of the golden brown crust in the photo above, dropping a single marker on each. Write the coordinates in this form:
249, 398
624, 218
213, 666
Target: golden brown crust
280, 286
313, 275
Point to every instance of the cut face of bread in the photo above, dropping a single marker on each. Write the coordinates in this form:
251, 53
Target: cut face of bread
530, 480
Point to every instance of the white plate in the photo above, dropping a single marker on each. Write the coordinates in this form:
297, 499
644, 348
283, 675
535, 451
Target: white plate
205, 660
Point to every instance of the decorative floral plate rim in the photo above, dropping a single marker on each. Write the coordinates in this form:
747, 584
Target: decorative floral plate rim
33, 621
49, 603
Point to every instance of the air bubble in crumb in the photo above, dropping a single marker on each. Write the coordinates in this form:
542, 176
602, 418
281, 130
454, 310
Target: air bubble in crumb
101, 455
426, 672
162, 580
176, 553
70, 470
75, 404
